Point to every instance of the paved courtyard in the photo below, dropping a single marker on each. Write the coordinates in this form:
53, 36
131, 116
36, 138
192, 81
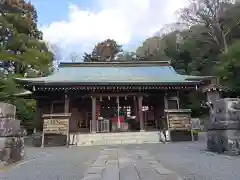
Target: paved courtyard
130, 162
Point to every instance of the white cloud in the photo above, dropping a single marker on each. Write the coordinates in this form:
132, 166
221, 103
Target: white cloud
122, 20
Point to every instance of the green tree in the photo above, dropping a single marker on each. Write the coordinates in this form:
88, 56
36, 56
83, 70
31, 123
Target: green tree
209, 45
21, 42
104, 51
152, 49
229, 66
126, 56
22, 53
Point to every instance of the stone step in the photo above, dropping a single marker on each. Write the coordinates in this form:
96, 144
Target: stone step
79, 138
119, 134
115, 138
112, 142
112, 135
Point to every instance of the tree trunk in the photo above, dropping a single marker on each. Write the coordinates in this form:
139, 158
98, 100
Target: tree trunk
225, 45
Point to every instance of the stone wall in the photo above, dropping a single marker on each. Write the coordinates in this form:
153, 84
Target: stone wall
12, 150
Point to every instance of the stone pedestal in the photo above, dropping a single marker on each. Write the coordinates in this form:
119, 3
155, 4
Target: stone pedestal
224, 141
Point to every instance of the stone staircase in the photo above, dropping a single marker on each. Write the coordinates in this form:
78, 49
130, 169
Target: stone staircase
114, 138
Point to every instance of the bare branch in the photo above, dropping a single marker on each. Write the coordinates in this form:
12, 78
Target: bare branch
230, 29
208, 13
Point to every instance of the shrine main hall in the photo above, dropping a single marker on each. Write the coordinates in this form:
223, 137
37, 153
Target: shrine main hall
112, 96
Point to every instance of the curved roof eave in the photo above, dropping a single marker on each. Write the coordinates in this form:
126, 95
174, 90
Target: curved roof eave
112, 83
29, 80
189, 77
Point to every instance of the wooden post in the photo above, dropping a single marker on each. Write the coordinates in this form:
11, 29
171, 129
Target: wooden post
42, 140
66, 110
165, 102
37, 104
140, 99
39, 120
168, 127
166, 123
135, 108
118, 109
38, 117
178, 100
66, 104
93, 130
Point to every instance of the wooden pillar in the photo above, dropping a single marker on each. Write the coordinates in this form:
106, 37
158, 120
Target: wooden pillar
140, 113
165, 102
66, 104
135, 108
157, 116
39, 118
118, 109
38, 123
66, 110
94, 122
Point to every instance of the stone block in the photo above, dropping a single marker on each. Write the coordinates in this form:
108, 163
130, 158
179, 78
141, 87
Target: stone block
146, 173
129, 141
113, 142
99, 142
92, 177
111, 172
95, 170
160, 169
128, 173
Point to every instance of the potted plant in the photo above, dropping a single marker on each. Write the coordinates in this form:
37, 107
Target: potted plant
195, 135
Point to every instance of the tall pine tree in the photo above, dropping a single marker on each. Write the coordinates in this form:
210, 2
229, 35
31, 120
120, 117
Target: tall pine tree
23, 53
21, 45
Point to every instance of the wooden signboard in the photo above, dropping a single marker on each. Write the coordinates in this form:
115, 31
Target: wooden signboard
178, 119
56, 126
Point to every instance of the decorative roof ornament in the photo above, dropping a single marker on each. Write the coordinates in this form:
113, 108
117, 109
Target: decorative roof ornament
216, 87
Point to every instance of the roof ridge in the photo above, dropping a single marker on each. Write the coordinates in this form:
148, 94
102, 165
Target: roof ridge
115, 63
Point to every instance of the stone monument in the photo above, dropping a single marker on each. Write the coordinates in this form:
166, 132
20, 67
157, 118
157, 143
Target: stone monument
223, 129
11, 137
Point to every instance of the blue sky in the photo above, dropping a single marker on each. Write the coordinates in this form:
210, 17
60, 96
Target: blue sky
49, 11
77, 25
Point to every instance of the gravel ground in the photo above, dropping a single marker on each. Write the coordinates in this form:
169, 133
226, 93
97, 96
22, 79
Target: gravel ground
190, 160
58, 163
193, 162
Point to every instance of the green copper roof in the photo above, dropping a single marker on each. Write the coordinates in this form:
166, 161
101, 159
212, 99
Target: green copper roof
113, 73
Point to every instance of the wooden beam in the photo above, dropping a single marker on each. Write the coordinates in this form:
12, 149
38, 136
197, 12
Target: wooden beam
115, 94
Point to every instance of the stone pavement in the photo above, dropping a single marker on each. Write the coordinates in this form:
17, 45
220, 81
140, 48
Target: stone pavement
189, 160
122, 164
